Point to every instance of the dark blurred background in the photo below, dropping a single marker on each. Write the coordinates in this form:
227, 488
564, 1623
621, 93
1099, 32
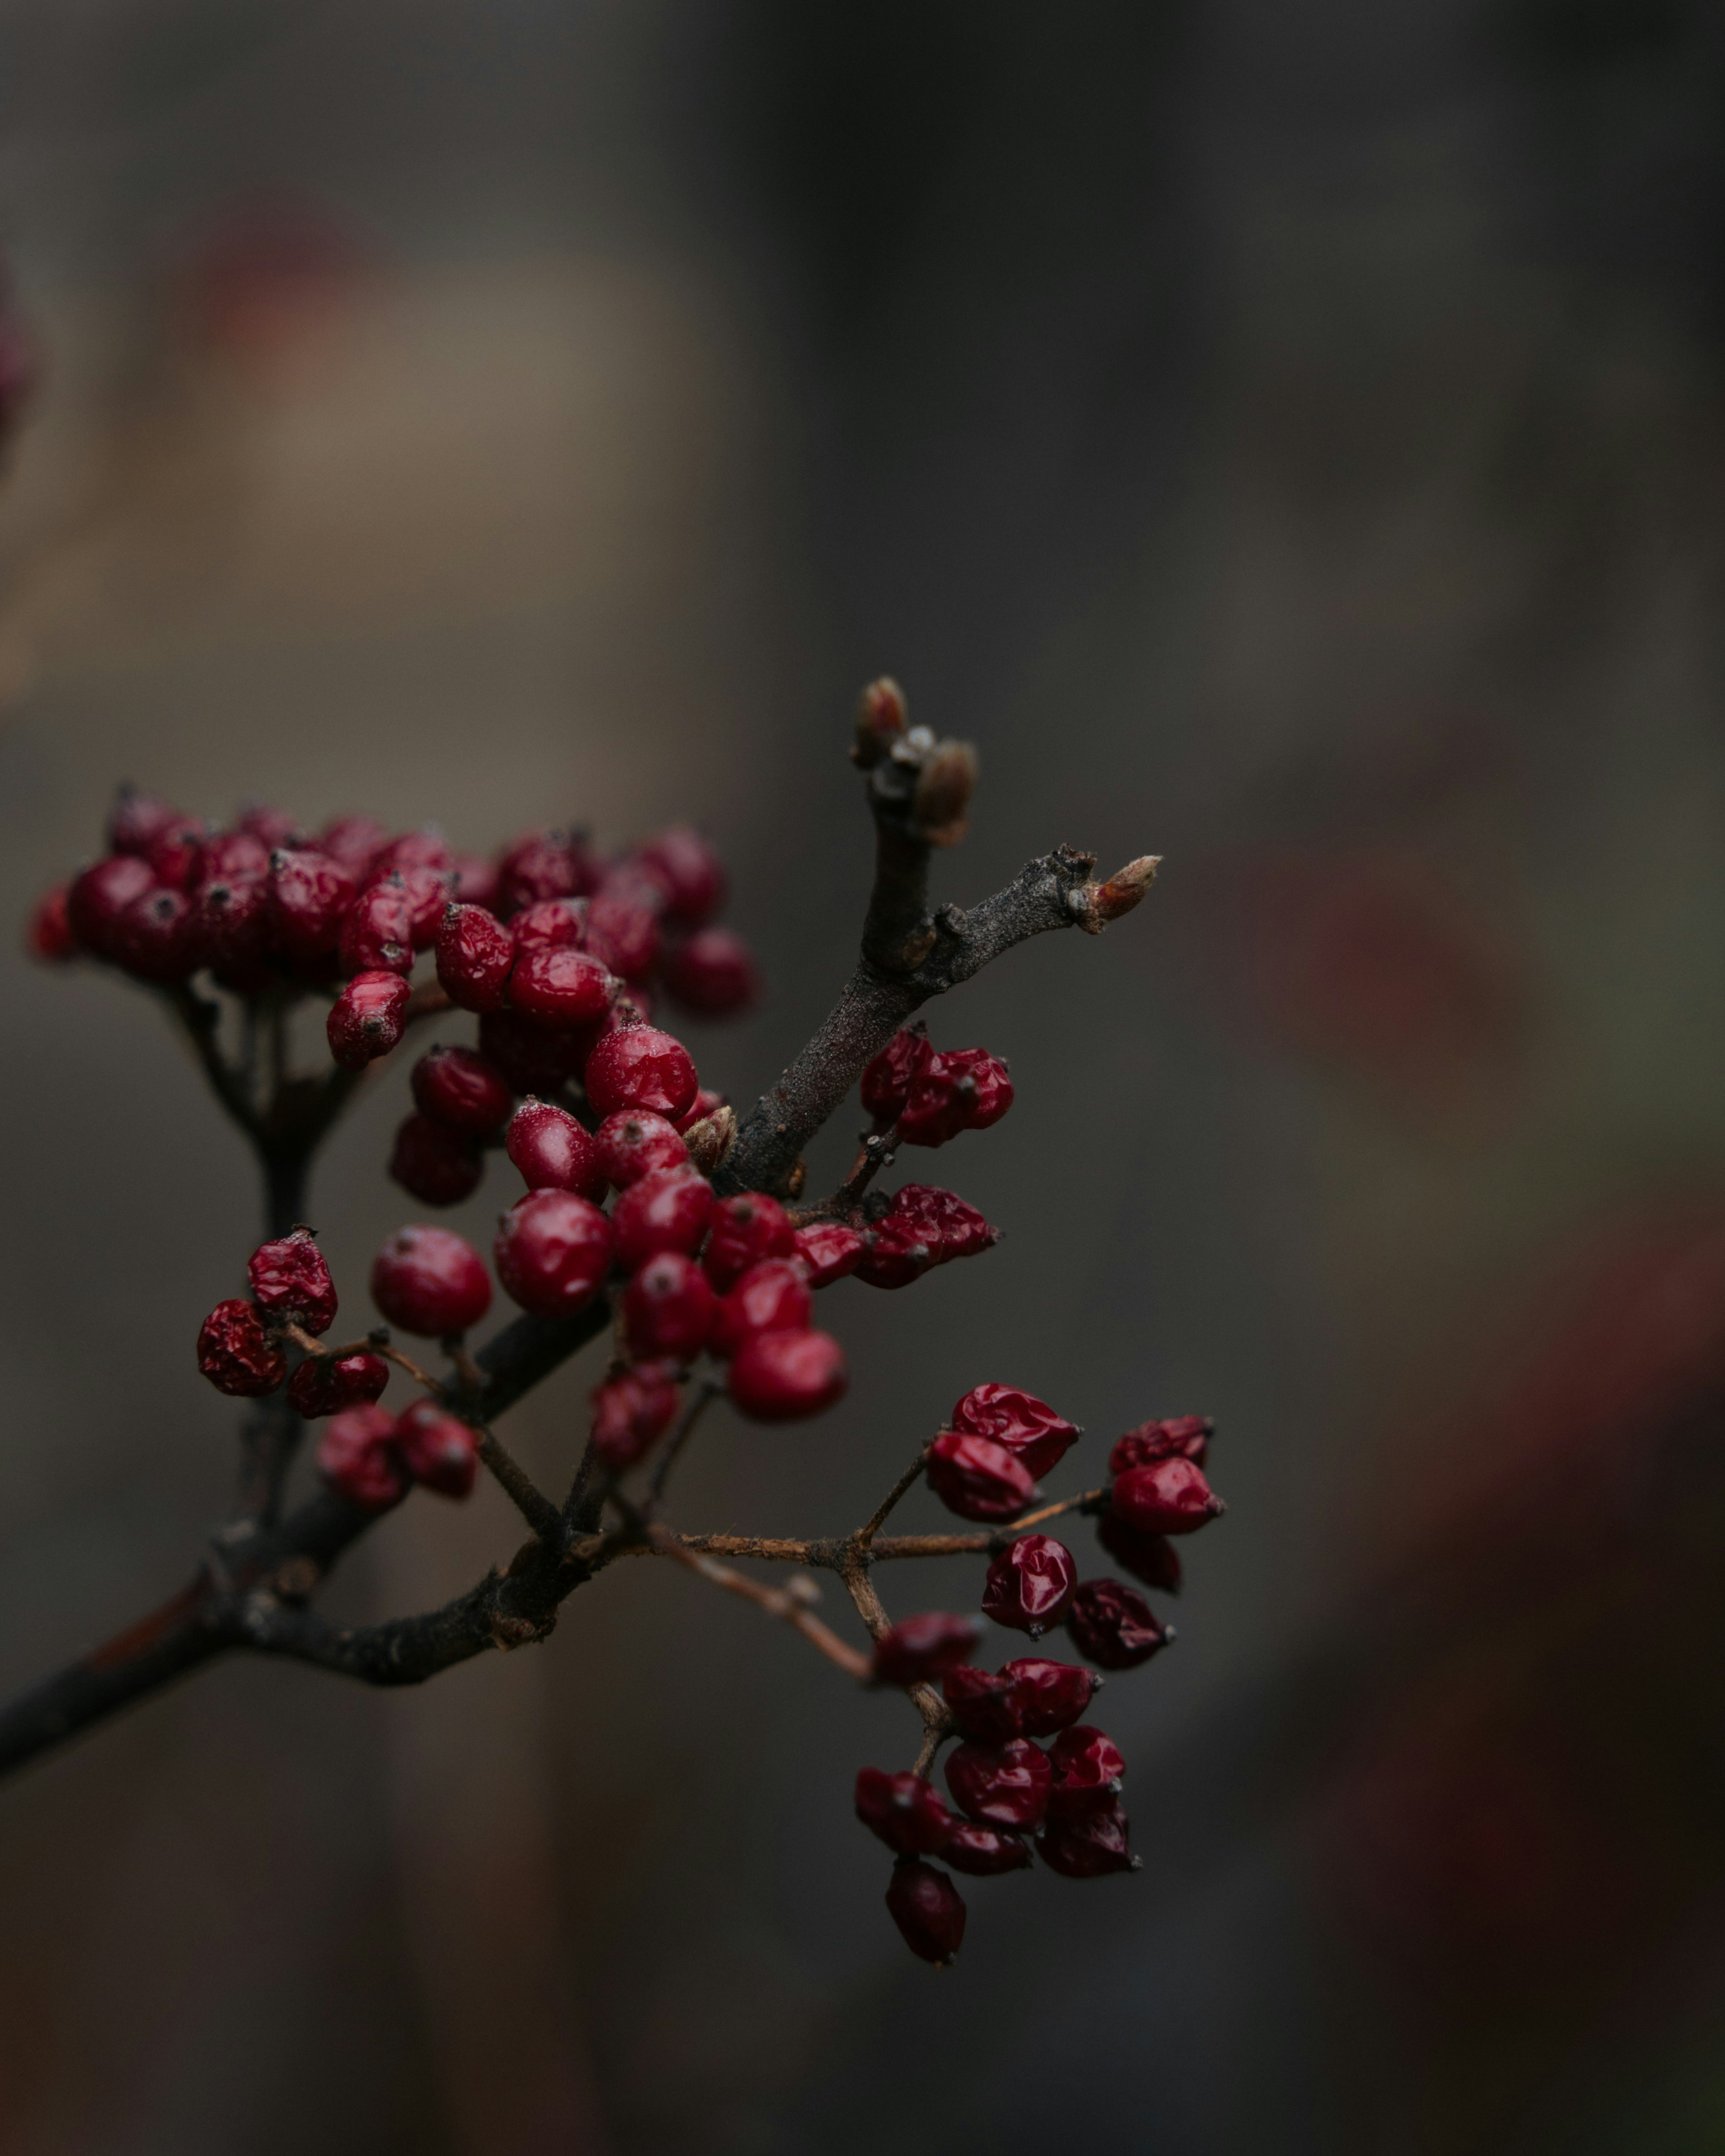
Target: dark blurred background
1285, 439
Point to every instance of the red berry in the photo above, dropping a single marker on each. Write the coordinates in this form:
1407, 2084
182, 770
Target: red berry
1184, 1437
438, 1449
1168, 1497
367, 1019
687, 871
292, 1282
234, 857
552, 1152
532, 1060
425, 849
552, 1251
434, 1163
554, 924
667, 1210
324, 1385
49, 936
985, 1851
624, 934
357, 1455
545, 865
1087, 1848
904, 1810
713, 974
136, 819
1030, 1584
232, 923
887, 1081
1088, 1772
1112, 1627
430, 1281
1152, 1558
827, 1251
894, 1254
458, 1087
966, 1090
942, 1220
984, 1706
782, 1377
355, 841
1050, 1695
176, 853
668, 1309
633, 1143
100, 895
928, 1910
430, 891
559, 987
771, 1297
272, 828
978, 1479
1001, 1784
236, 1354
919, 1650
378, 935
745, 1230
1028, 1427
309, 898
474, 954
475, 878
639, 1067
157, 936
631, 1412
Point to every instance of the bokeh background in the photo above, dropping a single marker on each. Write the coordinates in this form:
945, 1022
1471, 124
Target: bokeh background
1285, 439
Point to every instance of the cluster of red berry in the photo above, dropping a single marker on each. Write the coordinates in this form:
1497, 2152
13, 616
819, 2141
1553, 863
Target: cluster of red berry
1004, 1784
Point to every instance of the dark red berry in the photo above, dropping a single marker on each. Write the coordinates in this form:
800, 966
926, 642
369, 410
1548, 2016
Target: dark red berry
232, 923
624, 934
1089, 1847
561, 987
324, 1385
157, 936
1168, 1497
355, 841
50, 936
1088, 1771
552, 1252
827, 1251
928, 1910
745, 1230
983, 1084
309, 898
430, 1281
640, 1067
668, 1309
357, 1455
1001, 1784
687, 871
920, 1650
100, 895
554, 924
434, 1163
367, 1019
941, 1221
705, 1103
438, 1449
713, 974
460, 1087
782, 1377
633, 1143
1030, 1584
985, 1705
291, 1283
544, 864
532, 1060
887, 1081
430, 891
1050, 1695
985, 1851
474, 954
1113, 1627
894, 1253
425, 848
631, 1412
1185, 1437
235, 1352
552, 1152
234, 857
272, 828
1152, 1558
667, 1210
978, 1479
1027, 1427
176, 853
136, 819
771, 1297
904, 1810
965, 1090
475, 878
378, 934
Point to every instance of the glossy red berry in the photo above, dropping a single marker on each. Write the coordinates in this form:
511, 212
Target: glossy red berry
355, 841
438, 1449
357, 1455
1027, 1427
434, 1163
136, 819
235, 1352
552, 1152
713, 974
634, 1143
1168, 1497
100, 895
1051, 1696
827, 1251
1113, 1627
552, 1252
1088, 1847
771, 1297
545, 865
553, 924
531, 1059
985, 1705
324, 1385
984, 1852
1152, 1558
668, 1309
745, 1230
309, 898
1088, 1771
561, 987
942, 1220
928, 1910
978, 1479
1001, 1784
176, 853
904, 1810
1030, 1584
430, 1281
474, 955
640, 1067
887, 1081
782, 1377
1183, 1437
965, 1090
232, 923
631, 1412
624, 934
378, 933
667, 1210
291, 1281
687, 871
367, 1019
921, 1650
156, 938
50, 936
462, 1088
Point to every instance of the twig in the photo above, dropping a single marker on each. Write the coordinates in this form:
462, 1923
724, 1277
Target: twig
788, 1603
529, 1500
912, 1474
706, 1393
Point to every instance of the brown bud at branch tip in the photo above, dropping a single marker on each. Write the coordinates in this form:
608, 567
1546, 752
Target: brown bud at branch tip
940, 812
711, 1139
880, 717
1122, 892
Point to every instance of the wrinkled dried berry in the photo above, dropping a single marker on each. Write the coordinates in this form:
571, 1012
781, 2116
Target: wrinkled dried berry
1030, 1584
235, 1352
978, 1479
291, 1280
1112, 1627
928, 1910
985, 1851
985, 1705
631, 1412
1001, 1784
324, 1385
1152, 1558
827, 1252
1027, 1427
357, 1455
1088, 1771
1051, 1696
1089, 1847
887, 1081
965, 1089
921, 1648
1168, 1497
1185, 1437
904, 1810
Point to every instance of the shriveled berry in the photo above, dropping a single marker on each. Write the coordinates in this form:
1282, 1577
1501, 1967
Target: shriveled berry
640, 1067
475, 954
100, 895
1001, 1784
978, 1479
1050, 1695
324, 1385
234, 857
434, 1163
136, 819
430, 1281
1168, 1497
176, 853
707, 1103
1088, 1771
367, 1019
928, 1910
544, 864
357, 1455
745, 1230
50, 936
552, 1252
1152, 1558
668, 1309
1028, 1427
157, 936
559, 987
826, 1251
309, 898
919, 1650
633, 1143
712, 974
378, 934
985, 1851
291, 1281
688, 872
894, 1253
438, 1449
235, 1352
1113, 1627
904, 1810
355, 841
233, 922
1181, 1437
553, 924
1030, 1584
552, 1151
771, 1297
462, 1088
624, 934
531, 1059
631, 1412
965, 1089
1089, 1847
273, 828
667, 1210
942, 1220
984, 1704
887, 1081
782, 1377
